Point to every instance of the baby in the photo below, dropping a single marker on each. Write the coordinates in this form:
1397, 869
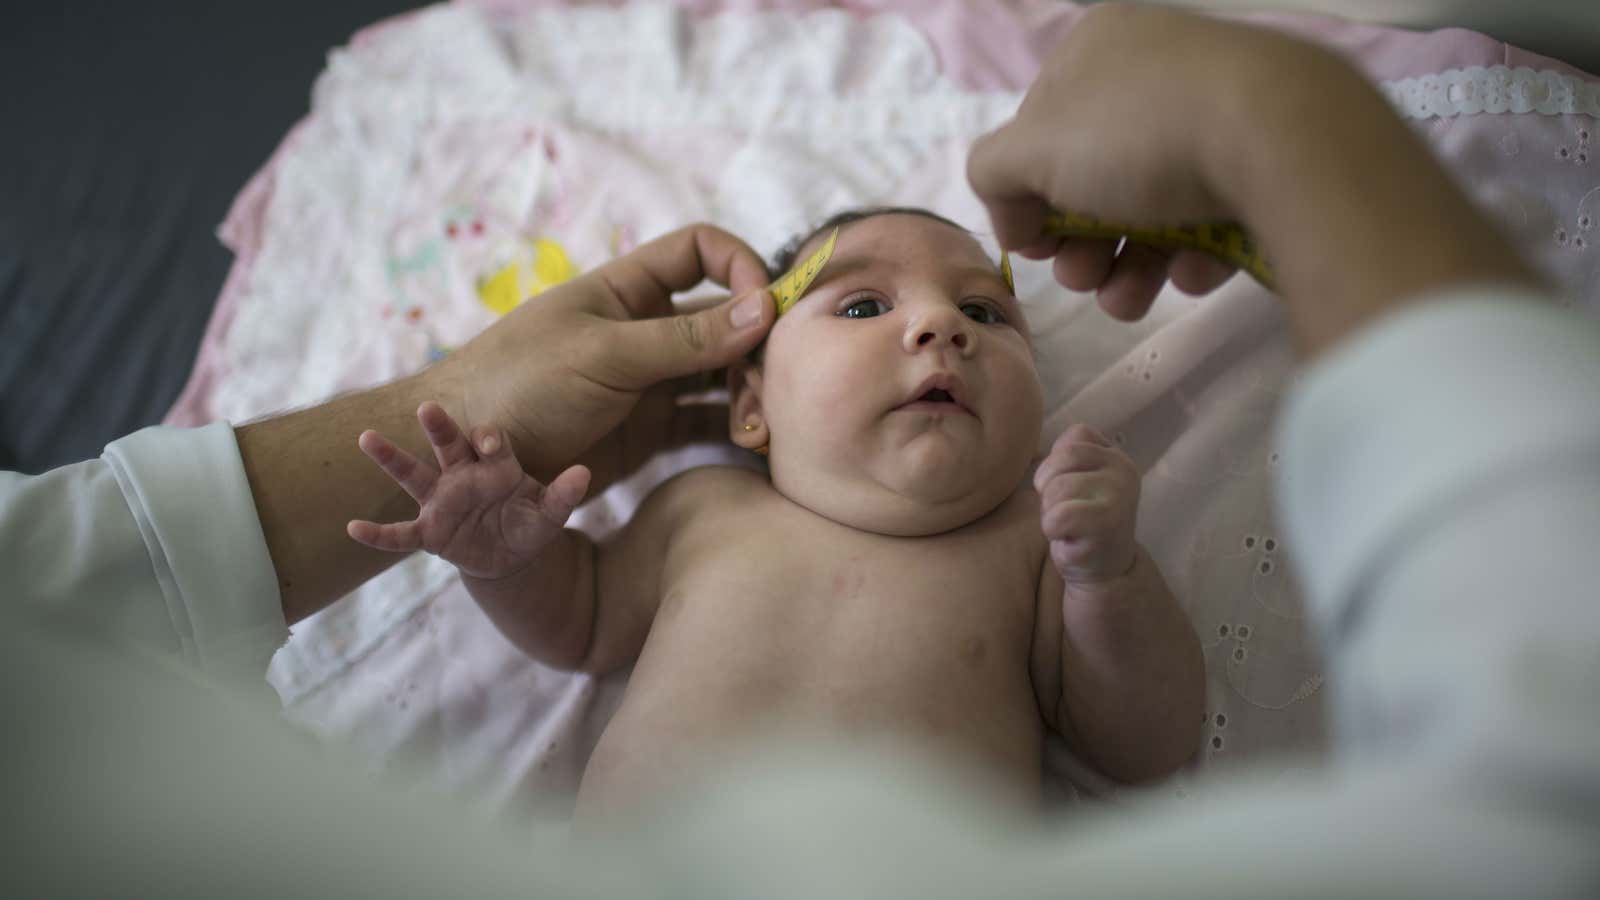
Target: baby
898, 574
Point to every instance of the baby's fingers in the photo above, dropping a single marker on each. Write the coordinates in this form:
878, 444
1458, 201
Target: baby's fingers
1096, 488
1082, 434
398, 537
449, 446
1071, 554
564, 494
415, 477
532, 524
1067, 521
1069, 455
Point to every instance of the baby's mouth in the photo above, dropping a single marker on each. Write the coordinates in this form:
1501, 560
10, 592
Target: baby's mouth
938, 402
940, 394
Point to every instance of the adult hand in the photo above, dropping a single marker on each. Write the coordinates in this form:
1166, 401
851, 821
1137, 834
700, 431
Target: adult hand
1151, 116
583, 374
590, 372
1109, 127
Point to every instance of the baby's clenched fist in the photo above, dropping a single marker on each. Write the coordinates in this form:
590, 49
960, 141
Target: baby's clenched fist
1089, 497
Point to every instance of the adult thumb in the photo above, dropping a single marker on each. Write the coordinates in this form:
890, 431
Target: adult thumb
649, 351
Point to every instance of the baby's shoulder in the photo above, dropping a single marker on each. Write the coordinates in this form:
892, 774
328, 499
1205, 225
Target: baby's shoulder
715, 479
708, 487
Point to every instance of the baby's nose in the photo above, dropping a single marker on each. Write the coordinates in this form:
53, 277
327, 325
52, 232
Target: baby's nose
938, 329
956, 337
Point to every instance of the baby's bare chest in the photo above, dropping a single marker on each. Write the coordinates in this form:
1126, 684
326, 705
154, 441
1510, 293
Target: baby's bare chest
843, 610
770, 630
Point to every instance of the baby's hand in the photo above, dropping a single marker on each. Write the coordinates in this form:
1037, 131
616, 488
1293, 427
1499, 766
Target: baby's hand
479, 511
1089, 496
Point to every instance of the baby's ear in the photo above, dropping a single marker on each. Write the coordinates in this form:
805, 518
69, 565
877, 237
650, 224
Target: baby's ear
747, 422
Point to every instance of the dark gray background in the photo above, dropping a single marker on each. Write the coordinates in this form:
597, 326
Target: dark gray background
126, 129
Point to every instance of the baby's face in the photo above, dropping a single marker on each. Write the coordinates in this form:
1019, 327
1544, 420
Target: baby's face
899, 395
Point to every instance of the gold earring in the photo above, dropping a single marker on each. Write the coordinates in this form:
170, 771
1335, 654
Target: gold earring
761, 449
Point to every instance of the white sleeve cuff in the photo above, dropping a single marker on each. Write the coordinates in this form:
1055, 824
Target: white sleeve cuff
188, 493
1432, 404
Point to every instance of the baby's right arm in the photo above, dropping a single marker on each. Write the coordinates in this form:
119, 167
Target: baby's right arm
537, 581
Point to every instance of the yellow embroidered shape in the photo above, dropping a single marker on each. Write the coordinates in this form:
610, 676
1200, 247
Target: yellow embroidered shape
536, 266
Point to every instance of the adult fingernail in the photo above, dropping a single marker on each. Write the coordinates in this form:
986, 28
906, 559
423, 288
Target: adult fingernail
746, 312
489, 444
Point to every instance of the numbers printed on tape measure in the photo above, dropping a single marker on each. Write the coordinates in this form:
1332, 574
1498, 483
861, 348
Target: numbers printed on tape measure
792, 286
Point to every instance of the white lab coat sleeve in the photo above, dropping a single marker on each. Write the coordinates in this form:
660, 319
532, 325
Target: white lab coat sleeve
157, 543
1441, 489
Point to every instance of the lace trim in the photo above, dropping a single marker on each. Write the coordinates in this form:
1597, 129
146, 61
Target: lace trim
1495, 89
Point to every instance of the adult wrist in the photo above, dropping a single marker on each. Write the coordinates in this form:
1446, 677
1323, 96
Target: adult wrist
1350, 206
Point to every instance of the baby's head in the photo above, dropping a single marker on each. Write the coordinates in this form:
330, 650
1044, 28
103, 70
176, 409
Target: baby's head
899, 395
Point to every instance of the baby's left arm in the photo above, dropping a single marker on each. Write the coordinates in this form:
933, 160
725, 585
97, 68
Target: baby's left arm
1117, 666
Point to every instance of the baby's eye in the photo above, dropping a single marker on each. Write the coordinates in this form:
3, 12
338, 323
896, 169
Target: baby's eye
865, 308
983, 313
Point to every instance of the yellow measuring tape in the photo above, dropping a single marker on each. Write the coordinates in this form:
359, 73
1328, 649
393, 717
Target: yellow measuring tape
795, 282
1227, 241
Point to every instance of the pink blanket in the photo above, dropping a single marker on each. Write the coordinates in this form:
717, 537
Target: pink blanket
458, 158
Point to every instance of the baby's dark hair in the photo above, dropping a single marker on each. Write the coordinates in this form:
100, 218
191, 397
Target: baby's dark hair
786, 257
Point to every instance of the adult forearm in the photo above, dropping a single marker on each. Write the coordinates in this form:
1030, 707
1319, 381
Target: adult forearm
1351, 207
1133, 675
309, 479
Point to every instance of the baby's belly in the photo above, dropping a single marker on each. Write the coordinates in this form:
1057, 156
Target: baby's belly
719, 674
